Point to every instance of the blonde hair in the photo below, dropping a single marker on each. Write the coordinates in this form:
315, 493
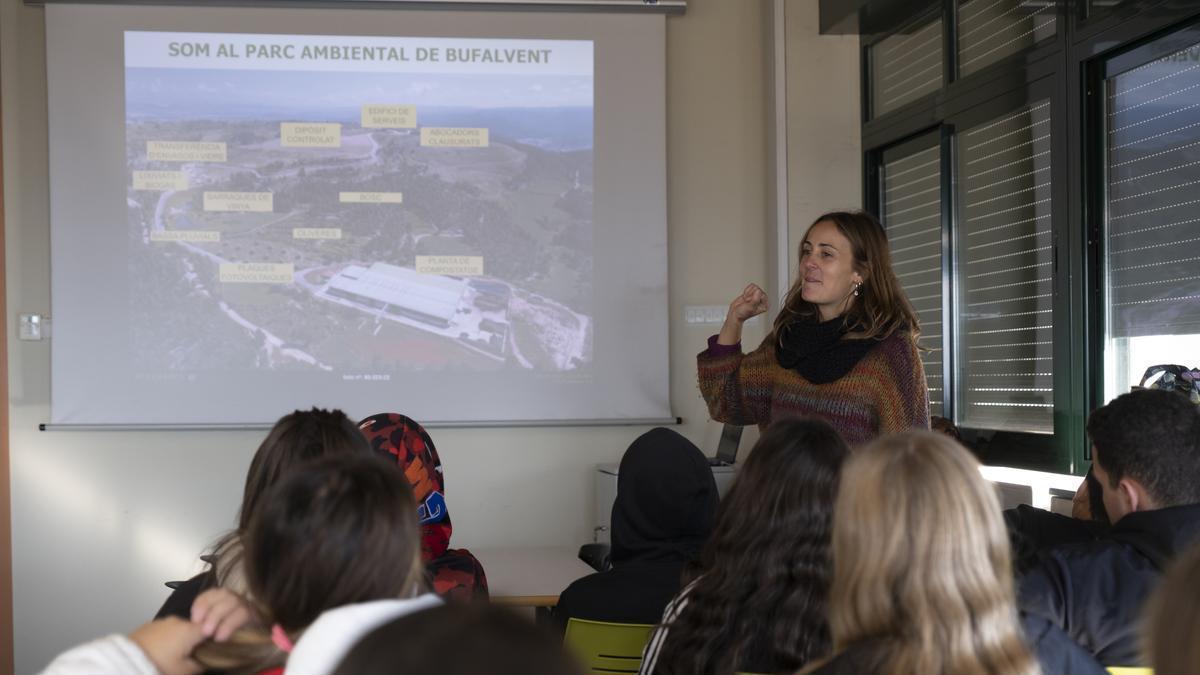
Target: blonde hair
1171, 637
921, 558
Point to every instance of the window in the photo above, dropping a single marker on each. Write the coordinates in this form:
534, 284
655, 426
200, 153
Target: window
1152, 218
1005, 254
912, 214
1069, 208
989, 30
906, 66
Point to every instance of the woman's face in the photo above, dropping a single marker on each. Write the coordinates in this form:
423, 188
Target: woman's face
827, 269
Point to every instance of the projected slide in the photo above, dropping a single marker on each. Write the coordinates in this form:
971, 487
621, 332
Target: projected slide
359, 206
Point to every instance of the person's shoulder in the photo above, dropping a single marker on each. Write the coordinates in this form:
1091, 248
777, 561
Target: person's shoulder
1055, 650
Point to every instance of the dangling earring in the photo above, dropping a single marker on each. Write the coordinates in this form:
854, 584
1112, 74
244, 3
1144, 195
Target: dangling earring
856, 287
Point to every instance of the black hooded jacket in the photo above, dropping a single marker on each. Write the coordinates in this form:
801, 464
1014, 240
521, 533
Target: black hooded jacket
1095, 591
666, 501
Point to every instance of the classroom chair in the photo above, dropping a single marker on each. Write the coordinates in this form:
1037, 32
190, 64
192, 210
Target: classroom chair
607, 647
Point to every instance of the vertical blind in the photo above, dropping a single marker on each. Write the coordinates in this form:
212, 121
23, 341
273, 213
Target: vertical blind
912, 215
1153, 198
1005, 255
989, 30
906, 66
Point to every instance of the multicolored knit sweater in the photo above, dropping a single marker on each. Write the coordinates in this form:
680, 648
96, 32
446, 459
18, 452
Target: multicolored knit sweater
884, 393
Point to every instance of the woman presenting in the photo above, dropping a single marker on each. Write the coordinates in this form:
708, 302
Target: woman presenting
843, 347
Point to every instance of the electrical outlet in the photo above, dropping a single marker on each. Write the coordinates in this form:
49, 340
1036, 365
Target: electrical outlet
703, 314
30, 327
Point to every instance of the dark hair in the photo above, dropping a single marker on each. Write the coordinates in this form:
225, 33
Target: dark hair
460, 639
1095, 495
1153, 437
882, 307
759, 603
297, 437
335, 531
943, 425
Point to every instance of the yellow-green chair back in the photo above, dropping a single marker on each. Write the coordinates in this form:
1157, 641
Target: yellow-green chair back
1131, 671
608, 647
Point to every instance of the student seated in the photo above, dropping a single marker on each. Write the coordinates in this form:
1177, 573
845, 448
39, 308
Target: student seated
455, 574
460, 639
1171, 638
922, 580
332, 553
160, 647
758, 603
666, 500
297, 437
1146, 458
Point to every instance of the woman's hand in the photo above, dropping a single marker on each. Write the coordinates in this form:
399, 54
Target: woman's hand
168, 643
220, 612
751, 303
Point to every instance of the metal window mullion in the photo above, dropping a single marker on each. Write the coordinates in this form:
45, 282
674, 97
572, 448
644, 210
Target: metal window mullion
949, 266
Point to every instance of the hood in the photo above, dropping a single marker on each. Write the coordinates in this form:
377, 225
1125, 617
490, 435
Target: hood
400, 438
666, 500
326, 642
1160, 534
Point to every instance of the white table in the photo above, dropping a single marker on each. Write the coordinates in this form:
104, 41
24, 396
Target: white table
532, 576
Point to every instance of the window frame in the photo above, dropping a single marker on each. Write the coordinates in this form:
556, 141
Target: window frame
1068, 70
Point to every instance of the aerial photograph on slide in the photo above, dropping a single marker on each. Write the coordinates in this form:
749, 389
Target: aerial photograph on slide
360, 223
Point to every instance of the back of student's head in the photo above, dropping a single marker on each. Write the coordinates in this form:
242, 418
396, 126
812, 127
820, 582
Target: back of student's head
922, 563
1171, 632
297, 437
666, 499
759, 603
334, 531
1151, 436
460, 639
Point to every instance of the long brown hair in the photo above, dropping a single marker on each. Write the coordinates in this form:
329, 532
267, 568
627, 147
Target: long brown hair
1171, 634
759, 602
922, 567
297, 437
881, 307
335, 531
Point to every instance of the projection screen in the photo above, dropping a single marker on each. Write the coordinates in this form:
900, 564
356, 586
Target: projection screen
456, 215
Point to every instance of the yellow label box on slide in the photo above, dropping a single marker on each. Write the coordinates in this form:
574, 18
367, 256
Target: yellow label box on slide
185, 235
316, 233
456, 265
185, 151
386, 116
454, 137
370, 197
239, 201
310, 134
159, 180
257, 273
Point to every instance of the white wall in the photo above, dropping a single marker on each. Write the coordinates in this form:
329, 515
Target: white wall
101, 519
824, 122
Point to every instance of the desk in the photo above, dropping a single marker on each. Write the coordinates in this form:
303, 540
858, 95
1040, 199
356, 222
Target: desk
530, 576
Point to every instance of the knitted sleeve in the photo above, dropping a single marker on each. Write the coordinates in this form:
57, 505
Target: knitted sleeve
737, 387
905, 404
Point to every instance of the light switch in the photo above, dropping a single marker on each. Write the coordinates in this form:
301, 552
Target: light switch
30, 327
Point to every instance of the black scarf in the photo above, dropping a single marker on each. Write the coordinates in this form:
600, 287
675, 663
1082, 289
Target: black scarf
817, 350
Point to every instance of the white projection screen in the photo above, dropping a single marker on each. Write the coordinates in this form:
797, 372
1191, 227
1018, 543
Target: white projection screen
458, 215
